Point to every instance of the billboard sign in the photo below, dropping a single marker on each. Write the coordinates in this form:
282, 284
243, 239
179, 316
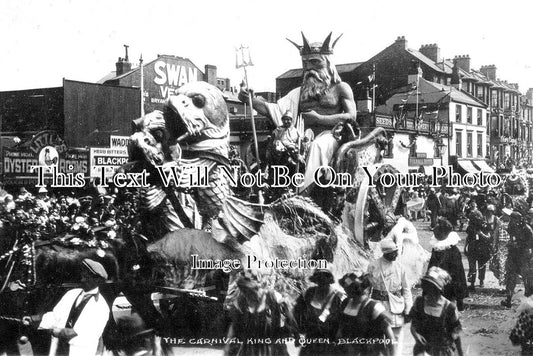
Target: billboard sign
108, 159
47, 149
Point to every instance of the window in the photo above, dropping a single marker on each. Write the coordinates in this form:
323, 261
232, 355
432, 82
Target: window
458, 116
469, 144
480, 144
480, 93
507, 99
479, 117
494, 98
469, 115
459, 143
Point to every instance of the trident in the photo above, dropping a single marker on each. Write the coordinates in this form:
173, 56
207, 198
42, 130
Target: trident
243, 60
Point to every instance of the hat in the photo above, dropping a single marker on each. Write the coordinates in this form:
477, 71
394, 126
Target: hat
95, 268
110, 223
438, 277
43, 190
491, 207
249, 280
23, 190
390, 220
516, 215
86, 199
288, 113
132, 327
323, 48
354, 279
388, 246
443, 228
507, 211
320, 274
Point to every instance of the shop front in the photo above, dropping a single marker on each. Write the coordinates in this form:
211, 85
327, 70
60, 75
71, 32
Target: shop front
47, 149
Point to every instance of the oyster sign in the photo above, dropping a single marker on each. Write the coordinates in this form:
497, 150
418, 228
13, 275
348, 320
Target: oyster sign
45, 149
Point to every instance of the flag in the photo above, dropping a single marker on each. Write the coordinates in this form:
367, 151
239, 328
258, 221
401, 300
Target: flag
300, 126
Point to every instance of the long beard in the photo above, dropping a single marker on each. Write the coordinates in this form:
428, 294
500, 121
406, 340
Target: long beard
315, 84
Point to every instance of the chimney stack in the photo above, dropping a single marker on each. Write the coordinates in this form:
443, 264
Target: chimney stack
529, 95
123, 65
401, 42
489, 71
463, 62
432, 51
456, 81
210, 74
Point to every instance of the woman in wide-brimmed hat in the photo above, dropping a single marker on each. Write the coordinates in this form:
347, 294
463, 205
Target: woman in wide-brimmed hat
362, 318
446, 255
259, 314
435, 320
313, 311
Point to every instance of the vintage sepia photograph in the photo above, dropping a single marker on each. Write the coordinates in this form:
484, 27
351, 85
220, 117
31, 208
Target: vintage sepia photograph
286, 178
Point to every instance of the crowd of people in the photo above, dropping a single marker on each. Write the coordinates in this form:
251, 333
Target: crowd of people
366, 317
377, 304
369, 314
47, 215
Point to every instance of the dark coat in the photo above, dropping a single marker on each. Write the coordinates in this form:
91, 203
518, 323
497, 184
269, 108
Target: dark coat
451, 261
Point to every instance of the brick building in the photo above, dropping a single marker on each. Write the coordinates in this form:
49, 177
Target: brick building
481, 120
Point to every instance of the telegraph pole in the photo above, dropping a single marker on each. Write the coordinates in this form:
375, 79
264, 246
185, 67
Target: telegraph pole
142, 84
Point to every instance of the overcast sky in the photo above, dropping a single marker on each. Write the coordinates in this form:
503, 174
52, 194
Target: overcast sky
43, 41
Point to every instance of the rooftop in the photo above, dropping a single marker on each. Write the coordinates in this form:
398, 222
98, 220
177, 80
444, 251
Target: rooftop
341, 68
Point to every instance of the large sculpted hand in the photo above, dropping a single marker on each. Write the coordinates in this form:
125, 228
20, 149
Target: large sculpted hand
245, 94
311, 117
258, 104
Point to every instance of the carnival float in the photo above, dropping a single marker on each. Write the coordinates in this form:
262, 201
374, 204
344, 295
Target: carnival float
182, 217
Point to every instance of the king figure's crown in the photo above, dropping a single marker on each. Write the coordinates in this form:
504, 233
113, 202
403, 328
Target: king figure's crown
316, 47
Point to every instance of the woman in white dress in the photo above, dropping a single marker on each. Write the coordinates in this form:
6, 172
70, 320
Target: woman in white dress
412, 255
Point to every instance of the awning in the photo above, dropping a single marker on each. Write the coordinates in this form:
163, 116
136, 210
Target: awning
468, 166
483, 166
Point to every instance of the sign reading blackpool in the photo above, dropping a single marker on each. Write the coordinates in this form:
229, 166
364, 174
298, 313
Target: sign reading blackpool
107, 159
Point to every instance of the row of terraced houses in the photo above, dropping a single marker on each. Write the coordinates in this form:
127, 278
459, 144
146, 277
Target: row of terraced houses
439, 111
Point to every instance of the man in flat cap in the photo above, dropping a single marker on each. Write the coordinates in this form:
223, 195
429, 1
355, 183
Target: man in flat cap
78, 320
